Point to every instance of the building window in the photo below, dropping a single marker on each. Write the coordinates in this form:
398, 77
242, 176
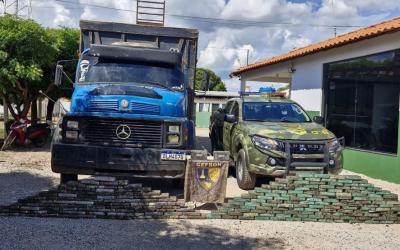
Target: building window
204, 107
362, 100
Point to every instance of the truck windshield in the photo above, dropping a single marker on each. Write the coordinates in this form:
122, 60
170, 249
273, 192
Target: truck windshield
99, 70
274, 112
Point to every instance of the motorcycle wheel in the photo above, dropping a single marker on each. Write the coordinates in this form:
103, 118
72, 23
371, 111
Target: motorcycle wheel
8, 141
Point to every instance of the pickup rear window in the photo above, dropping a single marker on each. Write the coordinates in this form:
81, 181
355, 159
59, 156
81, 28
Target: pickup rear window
274, 112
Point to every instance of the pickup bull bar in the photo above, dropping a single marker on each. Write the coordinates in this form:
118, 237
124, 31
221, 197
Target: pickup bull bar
307, 166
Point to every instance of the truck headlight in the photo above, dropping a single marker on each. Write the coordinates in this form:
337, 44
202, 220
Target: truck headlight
73, 124
174, 129
72, 135
173, 139
263, 143
333, 145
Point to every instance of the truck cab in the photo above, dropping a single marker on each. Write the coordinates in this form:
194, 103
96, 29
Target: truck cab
269, 135
132, 108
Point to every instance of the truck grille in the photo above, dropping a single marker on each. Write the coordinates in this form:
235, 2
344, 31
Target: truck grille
102, 105
113, 106
144, 108
147, 134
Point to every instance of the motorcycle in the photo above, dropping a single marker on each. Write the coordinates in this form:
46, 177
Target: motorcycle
20, 130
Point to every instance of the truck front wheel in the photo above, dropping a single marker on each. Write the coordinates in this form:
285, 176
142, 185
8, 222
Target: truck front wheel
68, 177
244, 178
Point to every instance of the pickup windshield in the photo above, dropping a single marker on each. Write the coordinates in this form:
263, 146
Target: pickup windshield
98, 70
274, 112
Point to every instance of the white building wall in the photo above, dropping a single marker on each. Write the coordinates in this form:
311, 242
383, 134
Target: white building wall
309, 99
307, 80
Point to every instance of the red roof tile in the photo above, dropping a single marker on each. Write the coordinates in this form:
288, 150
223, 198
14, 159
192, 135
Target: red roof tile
352, 37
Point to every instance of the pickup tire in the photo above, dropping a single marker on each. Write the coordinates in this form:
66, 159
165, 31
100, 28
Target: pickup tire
244, 178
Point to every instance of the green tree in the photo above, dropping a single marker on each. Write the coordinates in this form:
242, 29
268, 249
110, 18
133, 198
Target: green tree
67, 45
25, 50
215, 82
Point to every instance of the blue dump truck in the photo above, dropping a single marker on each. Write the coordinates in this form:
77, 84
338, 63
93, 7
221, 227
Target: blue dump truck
132, 108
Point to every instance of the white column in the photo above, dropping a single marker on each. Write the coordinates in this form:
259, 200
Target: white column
242, 85
40, 110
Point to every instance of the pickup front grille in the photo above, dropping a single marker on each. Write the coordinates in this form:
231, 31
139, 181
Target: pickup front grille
307, 148
146, 134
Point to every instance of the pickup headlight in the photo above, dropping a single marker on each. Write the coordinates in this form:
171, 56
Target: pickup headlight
264, 144
333, 145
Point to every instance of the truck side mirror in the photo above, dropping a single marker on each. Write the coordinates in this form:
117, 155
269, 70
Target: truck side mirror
318, 119
59, 75
230, 118
205, 84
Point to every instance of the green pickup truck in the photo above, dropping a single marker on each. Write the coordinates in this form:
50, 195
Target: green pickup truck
273, 136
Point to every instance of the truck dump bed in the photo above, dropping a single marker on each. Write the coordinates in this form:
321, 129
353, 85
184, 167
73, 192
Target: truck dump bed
141, 37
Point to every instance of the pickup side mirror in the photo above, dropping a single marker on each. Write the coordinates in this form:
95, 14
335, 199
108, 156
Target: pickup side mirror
221, 110
318, 119
58, 75
230, 118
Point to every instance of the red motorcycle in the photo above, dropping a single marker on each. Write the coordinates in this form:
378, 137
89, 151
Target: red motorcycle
20, 131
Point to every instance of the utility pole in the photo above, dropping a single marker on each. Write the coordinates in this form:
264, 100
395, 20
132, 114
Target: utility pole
333, 12
20, 8
247, 56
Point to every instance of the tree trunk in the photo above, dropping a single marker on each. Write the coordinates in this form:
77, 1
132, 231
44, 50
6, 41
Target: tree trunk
5, 116
34, 112
49, 114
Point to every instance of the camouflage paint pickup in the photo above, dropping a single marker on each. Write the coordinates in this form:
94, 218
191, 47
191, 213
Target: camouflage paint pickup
273, 136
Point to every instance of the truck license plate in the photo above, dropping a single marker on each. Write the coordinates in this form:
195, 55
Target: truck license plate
173, 156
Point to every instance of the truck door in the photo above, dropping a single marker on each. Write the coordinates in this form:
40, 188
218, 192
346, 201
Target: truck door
228, 127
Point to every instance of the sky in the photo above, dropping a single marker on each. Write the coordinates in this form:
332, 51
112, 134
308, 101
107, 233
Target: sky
261, 28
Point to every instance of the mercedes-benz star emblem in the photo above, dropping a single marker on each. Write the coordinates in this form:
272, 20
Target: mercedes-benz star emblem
123, 132
124, 104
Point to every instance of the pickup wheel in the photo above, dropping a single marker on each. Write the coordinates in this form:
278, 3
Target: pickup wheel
244, 178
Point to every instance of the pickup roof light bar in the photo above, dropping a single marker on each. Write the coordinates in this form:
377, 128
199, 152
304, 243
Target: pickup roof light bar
269, 94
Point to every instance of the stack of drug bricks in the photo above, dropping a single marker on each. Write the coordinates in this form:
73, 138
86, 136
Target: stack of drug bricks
315, 197
103, 197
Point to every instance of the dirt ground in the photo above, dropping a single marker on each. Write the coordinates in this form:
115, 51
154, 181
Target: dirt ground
26, 171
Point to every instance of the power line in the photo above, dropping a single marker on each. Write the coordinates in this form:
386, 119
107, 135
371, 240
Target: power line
237, 22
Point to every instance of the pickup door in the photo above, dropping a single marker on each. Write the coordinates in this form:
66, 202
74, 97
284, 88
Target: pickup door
228, 127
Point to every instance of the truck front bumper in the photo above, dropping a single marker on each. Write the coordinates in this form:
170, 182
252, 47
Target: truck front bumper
135, 162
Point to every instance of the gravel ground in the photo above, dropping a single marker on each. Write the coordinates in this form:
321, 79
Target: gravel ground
35, 233
27, 171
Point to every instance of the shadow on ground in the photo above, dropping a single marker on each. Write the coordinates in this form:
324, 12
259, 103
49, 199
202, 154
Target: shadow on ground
203, 142
54, 233
18, 185
137, 234
28, 148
